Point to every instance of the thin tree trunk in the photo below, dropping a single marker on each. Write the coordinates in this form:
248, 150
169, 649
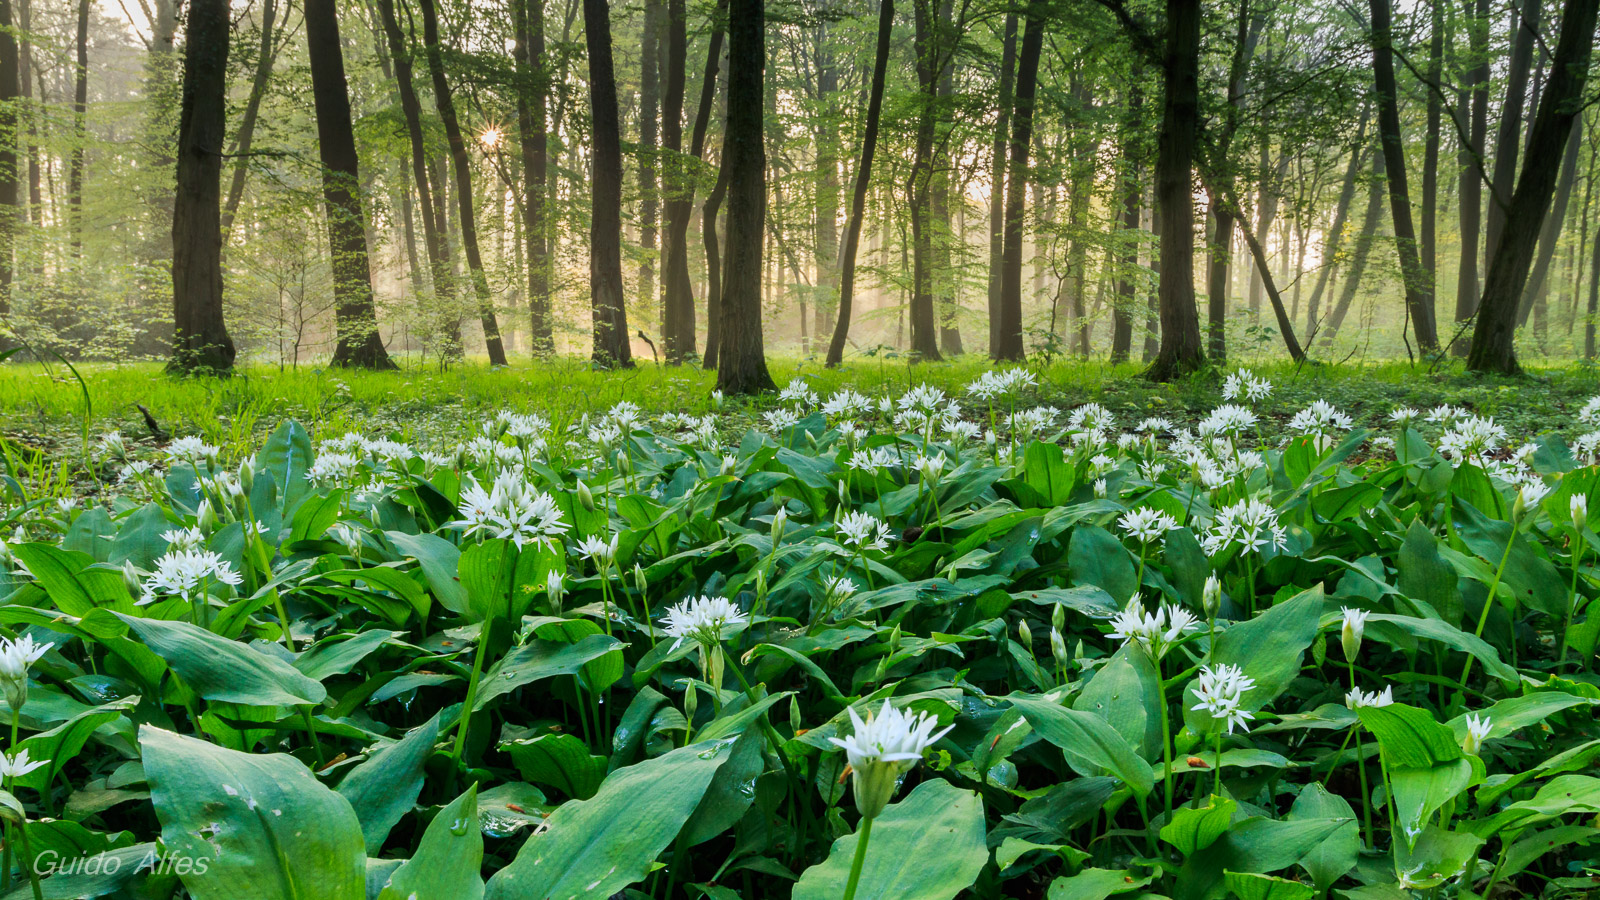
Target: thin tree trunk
200, 337
827, 183
533, 84
611, 345
997, 177
1524, 33
29, 110
1370, 222
434, 228
1180, 350
1011, 345
1220, 245
1127, 291
742, 365
649, 141
445, 103
858, 200
1470, 159
1418, 280
80, 132
358, 343
1335, 241
1550, 230
941, 225
252, 108
10, 209
1493, 349
1428, 244
679, 337
1285, 323
926, 52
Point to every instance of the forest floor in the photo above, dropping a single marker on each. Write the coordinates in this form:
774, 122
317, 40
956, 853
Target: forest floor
49, 414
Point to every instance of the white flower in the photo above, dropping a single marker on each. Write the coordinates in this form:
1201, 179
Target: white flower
862, 531
1531, 492
1154, 425
1470, 438
1219, 690
1319, 421
1590, 414
181, 571
781, 418
846, 402
1243, 384
797, 392
191, 450
332, 468
930, 467
1356, 698
1578, 508
511, 510
1249, 522
111, 444
1478, 728
1091, 417
19, 765
601, 553
1155, 631
703, 619
1442, 415
1404, 416
874, 458
883, 748
837, 588
1227, 419
1352, 630
1100, 488
1146, 524
17, 656
1211, 595
183, 538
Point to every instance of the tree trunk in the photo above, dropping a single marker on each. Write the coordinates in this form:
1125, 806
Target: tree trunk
941, 224
359, 343
533, 84
1125, 306
1471, 162
827, 184
1370, 222
1285, 323
927, 55
1010, 346
858, 200
1247, 31
1335, 240
252, 108
1180, 350
446, 105
997, 177
1493, 349
1524, 33
679, 337
25, 93
10, 208
80, 132
742, 364
649, 141
434, 230
200, 339
1428, 245
708, 234
1550, 230
1418, 280
1594, 301
611, 346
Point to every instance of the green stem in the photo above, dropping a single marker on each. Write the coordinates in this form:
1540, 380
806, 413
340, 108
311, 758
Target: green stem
1166, 739
27, 856
860, 859
1217, 764
1366, 792
1488, 603
311, 734
1572, 601
472, 691
283, 620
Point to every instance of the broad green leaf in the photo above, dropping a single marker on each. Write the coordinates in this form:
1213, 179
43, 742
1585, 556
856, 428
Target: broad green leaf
439, 560
731, 792
219, 669
386, 785
1046, 470
594, 848
1419, 792
1248, 886
1096, 884
62, 744
1194, 829
116, 870
448, 862
1098, 558
1424, 574
1256, 845
71, 585
315, 515
266, 828
929, 846
1453, 637
287, 455
486, 571
337, 657
1513, 713
1126, 692
1410, 736
560, 761
1087, 739
1268, 648
542, 659
1338, 852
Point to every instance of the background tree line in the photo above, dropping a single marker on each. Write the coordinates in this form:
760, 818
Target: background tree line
701, 182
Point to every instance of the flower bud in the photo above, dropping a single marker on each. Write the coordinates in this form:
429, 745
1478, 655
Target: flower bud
640, 582
556, 587
206, 517
1058, 648
247, 477
1578, 506
1025, 635
585, 497
1100, 488
691, 701
728, 462
1211, 596
716, 399
780, 520
1355, 625
1058, 617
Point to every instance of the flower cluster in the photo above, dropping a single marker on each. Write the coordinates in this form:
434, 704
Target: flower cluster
1220, 690
511, 510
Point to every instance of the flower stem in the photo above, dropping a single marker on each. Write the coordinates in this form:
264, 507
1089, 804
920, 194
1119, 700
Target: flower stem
1572, 601
1488, 604
472, 691
860, 859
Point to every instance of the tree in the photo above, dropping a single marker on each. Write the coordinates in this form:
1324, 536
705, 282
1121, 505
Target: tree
1132, 192
742, 364
10, 208
1475, 99
356, 316
1493, 347
80, 130
462, 166
611, 347
930, 59
677, 332
1010, 346
997, 176
252, 110
533, 85
1508, 138
649, 140
858, 199
1180, 351
1418, 280
200, 339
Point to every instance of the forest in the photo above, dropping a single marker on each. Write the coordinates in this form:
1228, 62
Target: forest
380, 182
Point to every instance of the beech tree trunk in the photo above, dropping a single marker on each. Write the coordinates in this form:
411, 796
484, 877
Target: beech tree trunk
678, 335
1508, 141
742, 364
611, 345
1418, 280
1493, 348
1180, 350
1550, 230
1123, 308
462, 164
997, 177
10, 208
200, 342
649, 141
1010, 346
1370, 222
1430, 155
858, 200
252, 109
80, 132
827, 185
1470, 159
356, 319
928, 57
533, 86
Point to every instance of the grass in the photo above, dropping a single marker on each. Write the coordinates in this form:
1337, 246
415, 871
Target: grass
45, 413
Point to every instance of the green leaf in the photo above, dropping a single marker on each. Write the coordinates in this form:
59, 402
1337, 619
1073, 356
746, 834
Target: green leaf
439, 560
448, 862
117, 869
559, 760
1126, 692
1410, 736
731, 792
389, 579
929, 846
219, 669
1045, 469
536, 660
593, 848
71, 585
61, 744
1424, 574
1194, 829
1098, 558
1338, 852
1451, 636
1268, 648
1087, 739
1256, 845
332, 657
1529, 578
315, 516
486, 571
1419, 792
265, 827
1096, 884
386, 785
287, 455
1248, 886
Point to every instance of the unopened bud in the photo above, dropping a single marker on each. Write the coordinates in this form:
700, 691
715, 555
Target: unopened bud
1058, 617
1211, 596
1578, 506
640, 582
1025, 635
585, 497
1058, 648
